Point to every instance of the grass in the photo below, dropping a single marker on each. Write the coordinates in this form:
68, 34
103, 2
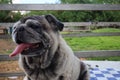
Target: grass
96, 43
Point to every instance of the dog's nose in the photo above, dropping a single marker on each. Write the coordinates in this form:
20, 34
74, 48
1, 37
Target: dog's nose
18, 41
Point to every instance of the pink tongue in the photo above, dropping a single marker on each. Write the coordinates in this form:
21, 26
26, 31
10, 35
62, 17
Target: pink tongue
19, 49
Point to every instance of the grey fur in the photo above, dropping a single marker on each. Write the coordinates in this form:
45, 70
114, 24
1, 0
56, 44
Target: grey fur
56, 60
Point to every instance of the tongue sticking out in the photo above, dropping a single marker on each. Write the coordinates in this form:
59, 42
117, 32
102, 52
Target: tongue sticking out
20, 48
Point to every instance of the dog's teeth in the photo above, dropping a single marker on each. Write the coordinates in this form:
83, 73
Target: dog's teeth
26, 48
37, 45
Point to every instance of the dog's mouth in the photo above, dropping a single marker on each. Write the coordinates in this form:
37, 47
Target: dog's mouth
29, 49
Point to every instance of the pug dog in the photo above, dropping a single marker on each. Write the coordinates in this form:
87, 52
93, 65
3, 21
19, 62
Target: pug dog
43, 53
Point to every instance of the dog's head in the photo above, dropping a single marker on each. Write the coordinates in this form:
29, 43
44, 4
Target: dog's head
36, 35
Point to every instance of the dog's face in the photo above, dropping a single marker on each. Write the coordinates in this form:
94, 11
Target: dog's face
34, 28
36, 35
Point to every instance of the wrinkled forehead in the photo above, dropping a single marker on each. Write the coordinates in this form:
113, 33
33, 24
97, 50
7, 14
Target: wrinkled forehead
38, 18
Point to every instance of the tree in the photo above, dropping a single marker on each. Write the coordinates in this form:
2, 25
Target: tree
8, 16
80, 16
94, 15
4, 14
5, 1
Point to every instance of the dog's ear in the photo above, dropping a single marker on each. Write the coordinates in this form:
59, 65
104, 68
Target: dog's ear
52, 19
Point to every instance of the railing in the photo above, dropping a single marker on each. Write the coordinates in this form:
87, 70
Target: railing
85, 24
84, 54
83, 7
59, 7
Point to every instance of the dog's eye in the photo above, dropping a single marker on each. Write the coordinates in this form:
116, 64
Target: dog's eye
36, 26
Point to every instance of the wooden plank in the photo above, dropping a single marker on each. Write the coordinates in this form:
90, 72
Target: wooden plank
60, 7
91, 34
11, 74
98, 53
7, 25
5, 36
105, 24
5, 57
91, 24
77, 23
70, 34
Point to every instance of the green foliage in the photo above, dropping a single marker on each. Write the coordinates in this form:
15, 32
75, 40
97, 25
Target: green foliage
94, 15
75, 1
92, 1
4, 15
15, 16
106, 1
9, 16
5, 1
69, 16
80, 16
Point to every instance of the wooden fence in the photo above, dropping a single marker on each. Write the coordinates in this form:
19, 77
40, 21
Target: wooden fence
83, 7
90, 7
88, 26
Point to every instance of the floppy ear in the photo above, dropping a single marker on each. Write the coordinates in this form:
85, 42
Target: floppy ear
52, 19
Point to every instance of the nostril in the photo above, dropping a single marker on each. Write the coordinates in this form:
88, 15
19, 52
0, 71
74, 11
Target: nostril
18, 41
